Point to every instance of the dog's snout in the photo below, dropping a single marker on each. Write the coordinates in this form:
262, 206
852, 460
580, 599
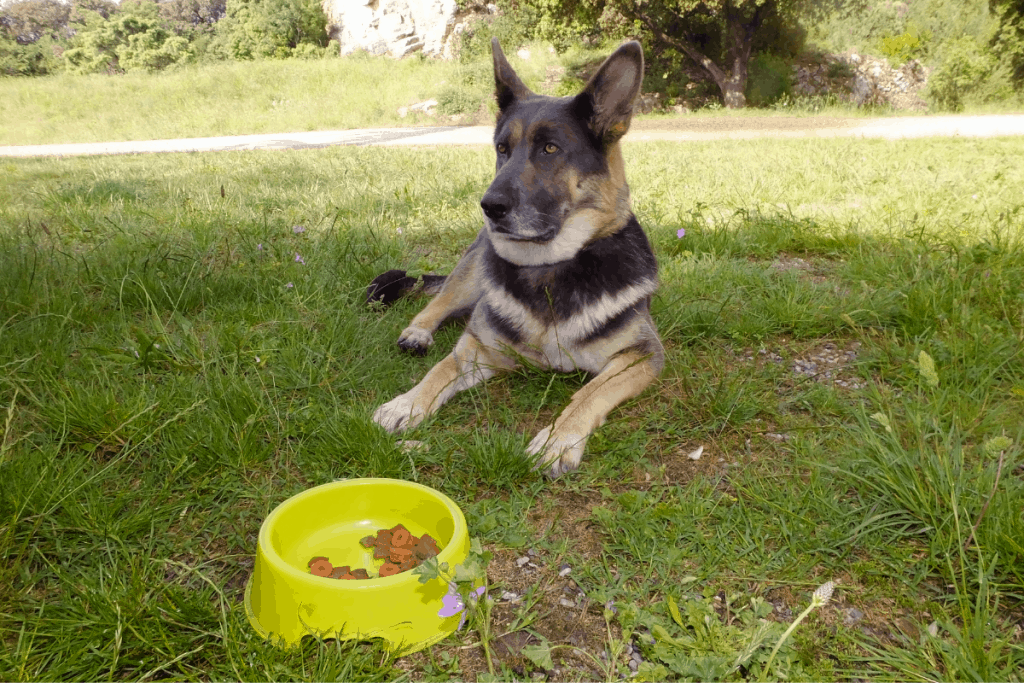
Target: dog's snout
496, 205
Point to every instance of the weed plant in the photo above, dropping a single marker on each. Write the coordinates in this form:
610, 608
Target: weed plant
184, 344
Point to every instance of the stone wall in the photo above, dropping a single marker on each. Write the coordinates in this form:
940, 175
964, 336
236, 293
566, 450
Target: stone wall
864, 81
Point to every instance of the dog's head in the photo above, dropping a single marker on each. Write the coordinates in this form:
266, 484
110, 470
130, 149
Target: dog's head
560, 183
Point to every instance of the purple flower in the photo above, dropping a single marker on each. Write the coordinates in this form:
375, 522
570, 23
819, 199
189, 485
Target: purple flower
259, 247
289, 286
298, 229
452, 603
299, 259
681, 233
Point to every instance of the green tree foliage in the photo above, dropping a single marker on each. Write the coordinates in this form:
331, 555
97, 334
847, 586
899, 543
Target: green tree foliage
30, 20
717, 35
135, 38
252, 29
1008, 41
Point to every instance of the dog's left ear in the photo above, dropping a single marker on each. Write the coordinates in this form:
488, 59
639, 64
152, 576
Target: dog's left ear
606, 103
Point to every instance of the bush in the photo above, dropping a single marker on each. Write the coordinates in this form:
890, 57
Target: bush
136, 38
512, 27
254, 29
911, 44
455, 100
34, 59
770, 78
968, 74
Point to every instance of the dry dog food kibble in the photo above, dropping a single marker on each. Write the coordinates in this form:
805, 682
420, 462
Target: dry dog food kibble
397, 546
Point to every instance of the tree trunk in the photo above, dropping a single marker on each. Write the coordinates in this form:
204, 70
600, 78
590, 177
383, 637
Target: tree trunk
739, 39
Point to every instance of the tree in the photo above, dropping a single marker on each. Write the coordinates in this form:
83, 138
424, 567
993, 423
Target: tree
1008, 42
718, 35
29, 20
135, 38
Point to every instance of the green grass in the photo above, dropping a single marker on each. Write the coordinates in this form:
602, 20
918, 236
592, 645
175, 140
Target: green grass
236, 98
170, 372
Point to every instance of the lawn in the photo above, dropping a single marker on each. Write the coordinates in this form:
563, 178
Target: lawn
184, 345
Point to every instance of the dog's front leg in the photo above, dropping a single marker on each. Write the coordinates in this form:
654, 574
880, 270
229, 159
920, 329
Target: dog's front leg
458, 296
561, 445
469, 364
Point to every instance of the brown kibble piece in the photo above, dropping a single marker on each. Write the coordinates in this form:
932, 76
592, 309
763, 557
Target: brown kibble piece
389, 569
424, 550
408, 564
400, 554
339, 572
400, 537
381, 551
368, 541
360, 573
383, 536
320, 566
318, 558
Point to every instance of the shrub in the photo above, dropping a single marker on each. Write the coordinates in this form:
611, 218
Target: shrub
968, 74
253, 29
512, 27
455, 100
136, 38
770, 78
911, 44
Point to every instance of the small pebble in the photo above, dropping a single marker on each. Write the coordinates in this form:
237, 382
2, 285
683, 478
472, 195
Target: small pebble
564, 570
521, 562
566, 603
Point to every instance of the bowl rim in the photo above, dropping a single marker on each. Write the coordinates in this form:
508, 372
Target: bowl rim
279, 564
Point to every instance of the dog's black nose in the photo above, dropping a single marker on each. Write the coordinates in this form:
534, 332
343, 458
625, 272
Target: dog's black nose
495, 205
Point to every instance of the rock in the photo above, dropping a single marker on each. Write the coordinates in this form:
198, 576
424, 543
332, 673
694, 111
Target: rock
391, 27
426, 107
852, 616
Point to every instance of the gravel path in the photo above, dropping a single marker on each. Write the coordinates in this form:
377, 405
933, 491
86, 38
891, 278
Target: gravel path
679, 129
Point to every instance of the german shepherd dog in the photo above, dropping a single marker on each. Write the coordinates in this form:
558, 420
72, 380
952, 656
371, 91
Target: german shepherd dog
560, 276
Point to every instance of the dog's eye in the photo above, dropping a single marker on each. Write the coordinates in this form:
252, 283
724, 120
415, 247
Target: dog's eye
550, 148
502, 148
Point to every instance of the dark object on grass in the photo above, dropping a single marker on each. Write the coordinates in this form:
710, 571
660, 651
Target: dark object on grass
390, 286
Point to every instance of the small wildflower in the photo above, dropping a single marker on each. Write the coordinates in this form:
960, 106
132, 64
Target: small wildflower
257, 360
289, 286
452, 603
299, 259
298, 229
681, 233
259, 247
398, 230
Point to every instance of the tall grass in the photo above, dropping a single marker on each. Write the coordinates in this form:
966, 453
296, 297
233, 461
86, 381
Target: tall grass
234, 98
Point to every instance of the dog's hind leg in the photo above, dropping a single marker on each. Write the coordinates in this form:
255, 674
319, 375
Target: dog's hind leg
561, 445
458, 296
469, 364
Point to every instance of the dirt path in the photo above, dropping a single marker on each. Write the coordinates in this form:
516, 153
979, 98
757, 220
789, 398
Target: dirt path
678, 129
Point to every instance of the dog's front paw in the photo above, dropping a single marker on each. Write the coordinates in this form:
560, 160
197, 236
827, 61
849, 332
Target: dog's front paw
416, 340
559, 453
398, 414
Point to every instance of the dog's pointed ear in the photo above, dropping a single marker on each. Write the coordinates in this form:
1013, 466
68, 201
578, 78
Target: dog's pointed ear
606, 102
507, 86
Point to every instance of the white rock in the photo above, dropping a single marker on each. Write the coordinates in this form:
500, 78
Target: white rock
390, 27
695, 454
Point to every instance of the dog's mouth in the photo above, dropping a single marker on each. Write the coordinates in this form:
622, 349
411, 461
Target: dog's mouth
540, 238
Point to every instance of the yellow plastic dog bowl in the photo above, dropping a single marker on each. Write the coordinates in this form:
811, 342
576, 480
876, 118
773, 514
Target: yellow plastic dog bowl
284, 602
